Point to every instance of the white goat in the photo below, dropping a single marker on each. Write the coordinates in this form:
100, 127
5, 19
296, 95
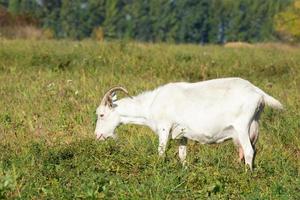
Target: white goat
209, 112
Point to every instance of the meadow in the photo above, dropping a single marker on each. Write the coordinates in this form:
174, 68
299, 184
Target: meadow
49, 91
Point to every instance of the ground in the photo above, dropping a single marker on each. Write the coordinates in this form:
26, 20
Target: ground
49, 93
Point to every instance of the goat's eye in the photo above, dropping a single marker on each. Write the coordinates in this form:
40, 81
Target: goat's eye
101, 115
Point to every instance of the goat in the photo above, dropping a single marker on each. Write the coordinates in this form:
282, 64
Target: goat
208, 112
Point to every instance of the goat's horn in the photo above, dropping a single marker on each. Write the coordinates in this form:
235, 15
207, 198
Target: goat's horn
107, 97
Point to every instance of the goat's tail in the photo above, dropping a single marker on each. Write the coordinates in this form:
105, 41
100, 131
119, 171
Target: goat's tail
269, 100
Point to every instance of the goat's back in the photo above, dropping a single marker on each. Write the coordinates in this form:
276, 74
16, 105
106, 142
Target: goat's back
218, 102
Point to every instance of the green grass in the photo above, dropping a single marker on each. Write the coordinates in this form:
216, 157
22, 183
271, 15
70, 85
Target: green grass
49, 91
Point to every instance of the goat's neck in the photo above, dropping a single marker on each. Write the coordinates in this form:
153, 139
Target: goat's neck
132, 111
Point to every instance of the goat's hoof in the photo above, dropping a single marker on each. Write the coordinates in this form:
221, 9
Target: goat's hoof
184, 165
248, 168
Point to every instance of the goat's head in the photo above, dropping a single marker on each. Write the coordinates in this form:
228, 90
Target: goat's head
107, 117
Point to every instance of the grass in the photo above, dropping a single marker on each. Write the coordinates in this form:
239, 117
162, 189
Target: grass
49, 92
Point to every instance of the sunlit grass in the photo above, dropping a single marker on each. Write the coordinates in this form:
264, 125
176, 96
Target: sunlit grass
49, 91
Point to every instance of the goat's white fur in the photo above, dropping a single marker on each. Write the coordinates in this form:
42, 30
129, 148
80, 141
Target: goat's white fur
209, 112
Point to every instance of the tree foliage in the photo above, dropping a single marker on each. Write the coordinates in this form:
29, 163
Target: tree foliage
288, 22
192, 21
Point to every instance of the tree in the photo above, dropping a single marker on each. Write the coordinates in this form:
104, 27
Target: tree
74, 17
50, 16
202, 21
14, 6
96, 13
163, 20
112, 17
287, 22
194, 21
4, 3
140, 20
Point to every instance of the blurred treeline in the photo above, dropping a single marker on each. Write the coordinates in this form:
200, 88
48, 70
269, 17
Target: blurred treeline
180, 21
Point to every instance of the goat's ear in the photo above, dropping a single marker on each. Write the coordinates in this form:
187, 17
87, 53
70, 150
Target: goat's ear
114, 97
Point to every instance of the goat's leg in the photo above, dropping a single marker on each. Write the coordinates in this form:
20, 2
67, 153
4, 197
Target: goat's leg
247, 149
253, 132
239, 147
182, 150
163, 134
241, 154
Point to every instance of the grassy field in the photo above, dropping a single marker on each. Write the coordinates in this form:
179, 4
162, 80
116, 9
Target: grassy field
49, 91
